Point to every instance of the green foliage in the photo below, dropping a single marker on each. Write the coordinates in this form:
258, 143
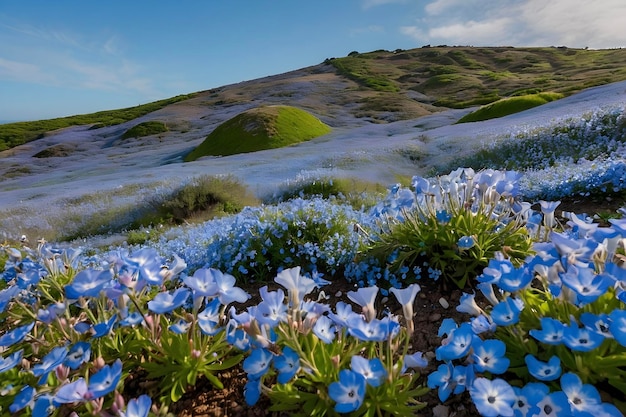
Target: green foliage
152, 127
178, 360
14, 134
509, 105
261, 128
454, 224
423, 237
202, 198
358, 69
358, 193
320, 362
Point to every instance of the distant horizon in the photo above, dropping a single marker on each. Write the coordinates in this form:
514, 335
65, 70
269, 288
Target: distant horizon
66, 58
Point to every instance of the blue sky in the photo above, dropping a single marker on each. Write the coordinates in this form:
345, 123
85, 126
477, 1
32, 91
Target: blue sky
62, 57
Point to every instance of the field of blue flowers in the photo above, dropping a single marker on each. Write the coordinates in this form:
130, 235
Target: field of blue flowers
544, 299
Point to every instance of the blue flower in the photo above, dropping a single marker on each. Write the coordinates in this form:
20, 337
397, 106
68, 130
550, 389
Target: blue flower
506, 312
343, 313
348, 392
42, 405
543, 371
489, 356
179, 327
7, 295
581, 338
272, 310
226, 290
618, 325
587, 285
515, 279
415, 360
16, 335
164, 302
443, 217
492, 397
599, 323
49, 362
467, 304
88, 283
258, 363
446, 327
459, 344
104, 328
581, 397
465, 243
105, 380
481, 324
372, 370
10, 361
406, 298
138, 407
551, 332
202, 283
252, 391
527, 397
209, 319
373, 331
462, 377
22, 399
324, 329
297, 285
365, 297
78, 354
287, 365
76, 391
554, 404
442, 380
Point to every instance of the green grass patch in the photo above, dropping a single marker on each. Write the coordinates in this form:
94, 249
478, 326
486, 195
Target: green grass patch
509, 105
15, 134
152, 127
357, 193
258, 129
204, 198
358, 69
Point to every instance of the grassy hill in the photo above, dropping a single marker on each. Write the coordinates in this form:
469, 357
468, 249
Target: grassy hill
389, 85
266, 127
460, 77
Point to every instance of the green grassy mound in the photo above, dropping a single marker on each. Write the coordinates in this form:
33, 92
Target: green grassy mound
509, 105
261, 128
145, 129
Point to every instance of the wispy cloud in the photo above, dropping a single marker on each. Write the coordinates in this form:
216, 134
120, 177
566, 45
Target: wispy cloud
575, 23
53, 57
367, 4
24, 72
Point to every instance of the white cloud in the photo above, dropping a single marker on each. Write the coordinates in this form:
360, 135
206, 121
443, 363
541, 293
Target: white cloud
24, 72
489, 32
439, 6
573, 23
367, 4
58, 58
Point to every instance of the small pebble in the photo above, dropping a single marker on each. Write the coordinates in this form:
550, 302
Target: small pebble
441, 411
338, 294
434, 317
444, 303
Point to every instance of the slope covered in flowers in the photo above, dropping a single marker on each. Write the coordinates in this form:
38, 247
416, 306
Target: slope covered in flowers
545, 331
